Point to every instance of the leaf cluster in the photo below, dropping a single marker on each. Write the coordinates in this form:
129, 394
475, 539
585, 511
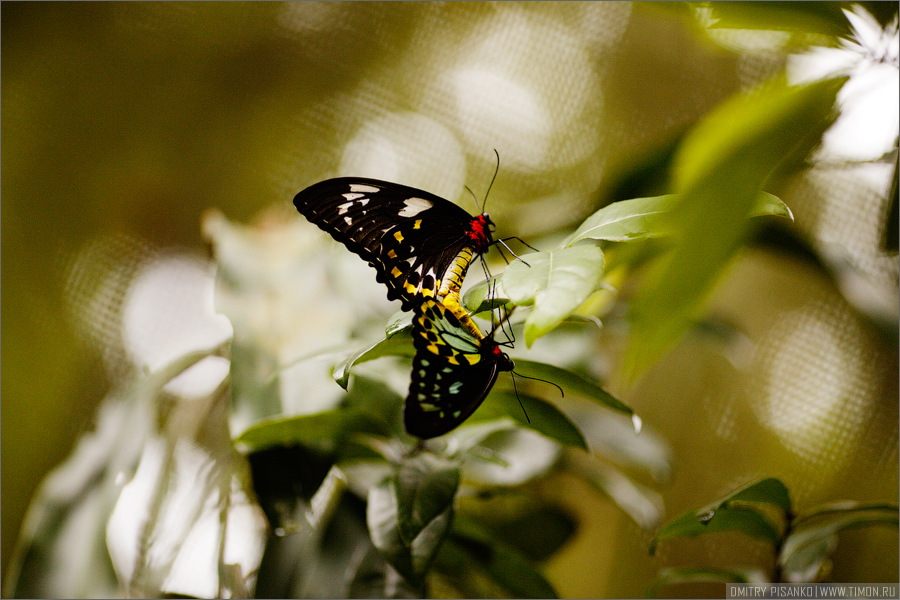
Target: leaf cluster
801, 543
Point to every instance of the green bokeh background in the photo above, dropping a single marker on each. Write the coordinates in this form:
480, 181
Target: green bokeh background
133, 119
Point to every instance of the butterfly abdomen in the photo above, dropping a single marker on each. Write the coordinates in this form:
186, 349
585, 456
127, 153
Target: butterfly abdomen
450, 288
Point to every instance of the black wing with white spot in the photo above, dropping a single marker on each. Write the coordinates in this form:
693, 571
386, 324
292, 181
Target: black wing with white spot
409, 236
453, 372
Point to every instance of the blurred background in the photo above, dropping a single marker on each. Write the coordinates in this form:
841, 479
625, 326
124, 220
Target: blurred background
125, 123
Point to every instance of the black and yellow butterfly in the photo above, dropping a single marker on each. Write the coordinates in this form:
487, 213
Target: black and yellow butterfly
419, 244
453, 371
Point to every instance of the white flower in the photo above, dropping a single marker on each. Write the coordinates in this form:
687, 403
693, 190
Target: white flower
868, 125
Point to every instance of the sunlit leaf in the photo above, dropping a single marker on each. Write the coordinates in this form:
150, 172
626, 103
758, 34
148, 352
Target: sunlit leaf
397, 345
767, 204
626, 220
304, 429
610, 435
718, 172
643, 218
810, 560
556, 283
483, 296
473, 433
397, 323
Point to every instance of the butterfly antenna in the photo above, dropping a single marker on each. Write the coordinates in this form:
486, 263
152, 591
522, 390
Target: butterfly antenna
516, 390
493, 179
503, 241
562, 394
474, 198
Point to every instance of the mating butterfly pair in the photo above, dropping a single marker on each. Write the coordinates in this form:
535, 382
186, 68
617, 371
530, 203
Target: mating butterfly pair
421, 247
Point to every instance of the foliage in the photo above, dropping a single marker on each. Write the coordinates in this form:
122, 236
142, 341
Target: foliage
801, 543
411, 490
406, 497
357, 507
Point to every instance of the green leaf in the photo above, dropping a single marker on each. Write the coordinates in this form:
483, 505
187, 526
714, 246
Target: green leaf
473, 433
398, 322
509, 457
814, 536
728, 513
382, 520
410, 514
718, 173
305, 429
766, 491
370, 407
681, 575
426, 486
626, 220
397, 345
691, 524
556, 282
767, 205
805, 17
515, 528
810, 560
483, 296
324, 503
643, 218
544, 417
571, 382
639, 502
506, 566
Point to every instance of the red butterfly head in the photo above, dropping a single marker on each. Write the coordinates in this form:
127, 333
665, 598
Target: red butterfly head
480, 230
505, 363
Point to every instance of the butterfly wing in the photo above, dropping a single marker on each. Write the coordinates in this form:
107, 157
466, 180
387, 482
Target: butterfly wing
409, 236
453, 372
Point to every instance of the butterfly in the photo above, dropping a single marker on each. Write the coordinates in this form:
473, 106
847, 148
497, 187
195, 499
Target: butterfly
419, 244
453, 371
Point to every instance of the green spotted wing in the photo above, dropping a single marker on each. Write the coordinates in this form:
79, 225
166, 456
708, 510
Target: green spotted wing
453, 371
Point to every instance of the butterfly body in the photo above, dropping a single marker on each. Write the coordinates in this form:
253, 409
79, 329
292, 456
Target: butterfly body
420, 245
453, 371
